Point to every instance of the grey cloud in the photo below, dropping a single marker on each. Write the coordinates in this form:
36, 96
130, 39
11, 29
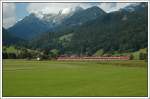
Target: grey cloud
9, 14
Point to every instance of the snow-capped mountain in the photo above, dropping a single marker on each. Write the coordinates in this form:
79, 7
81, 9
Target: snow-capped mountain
63, 14
35, 24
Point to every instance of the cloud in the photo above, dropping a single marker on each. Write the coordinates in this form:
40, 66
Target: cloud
46, 8
109, 7
119, 6
9, 9
9, 14
50, 7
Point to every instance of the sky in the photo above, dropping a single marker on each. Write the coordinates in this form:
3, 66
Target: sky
21, 11
13, 12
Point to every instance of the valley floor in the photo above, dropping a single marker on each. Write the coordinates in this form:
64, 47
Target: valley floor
55, 78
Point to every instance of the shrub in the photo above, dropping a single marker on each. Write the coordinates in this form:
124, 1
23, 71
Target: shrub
11, 56
142, 56
131, 57
4, 55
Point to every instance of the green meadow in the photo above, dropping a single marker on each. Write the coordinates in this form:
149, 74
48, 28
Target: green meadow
55, 78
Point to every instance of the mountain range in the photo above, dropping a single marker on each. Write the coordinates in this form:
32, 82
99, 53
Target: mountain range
32, 25
86, 30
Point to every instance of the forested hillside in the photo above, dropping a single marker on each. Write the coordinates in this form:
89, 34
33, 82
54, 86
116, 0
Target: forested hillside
121, 31
10, 39
117, 31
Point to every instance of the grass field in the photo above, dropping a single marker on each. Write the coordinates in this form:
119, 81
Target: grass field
53, 78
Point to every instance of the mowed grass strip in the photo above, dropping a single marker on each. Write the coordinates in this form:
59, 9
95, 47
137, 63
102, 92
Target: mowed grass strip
55, 78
